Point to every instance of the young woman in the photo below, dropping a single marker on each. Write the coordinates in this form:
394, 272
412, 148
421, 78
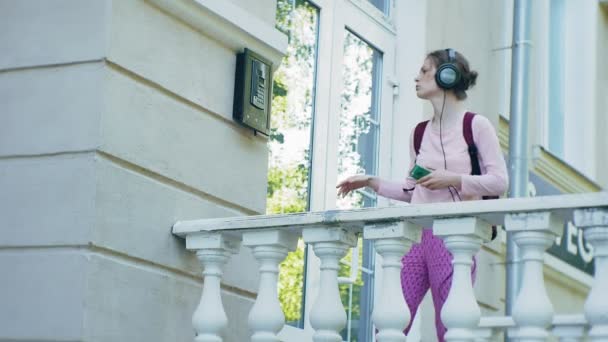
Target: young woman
443, 80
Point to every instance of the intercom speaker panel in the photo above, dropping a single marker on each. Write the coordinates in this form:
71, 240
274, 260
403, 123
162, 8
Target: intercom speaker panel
252, 91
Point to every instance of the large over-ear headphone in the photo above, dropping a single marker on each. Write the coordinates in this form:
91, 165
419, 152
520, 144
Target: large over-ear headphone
448, 75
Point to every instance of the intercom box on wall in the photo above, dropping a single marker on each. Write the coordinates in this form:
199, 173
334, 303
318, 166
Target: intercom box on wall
253, 91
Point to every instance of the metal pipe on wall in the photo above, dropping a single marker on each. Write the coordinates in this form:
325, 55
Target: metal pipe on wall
518, 135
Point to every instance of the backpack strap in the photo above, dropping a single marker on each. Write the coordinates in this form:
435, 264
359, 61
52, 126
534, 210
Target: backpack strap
418, 134
467, 131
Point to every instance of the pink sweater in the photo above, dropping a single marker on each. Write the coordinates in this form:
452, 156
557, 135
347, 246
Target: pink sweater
492, 181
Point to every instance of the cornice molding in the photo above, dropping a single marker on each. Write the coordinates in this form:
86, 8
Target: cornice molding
551, 168
228, 24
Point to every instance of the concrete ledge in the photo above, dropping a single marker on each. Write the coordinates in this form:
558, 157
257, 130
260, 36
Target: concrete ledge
135, 206
80, 293
492, 212
149, 130
48, 200
51, 109
142, 304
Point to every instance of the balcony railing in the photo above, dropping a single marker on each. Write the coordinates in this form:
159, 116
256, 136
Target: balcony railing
464, 226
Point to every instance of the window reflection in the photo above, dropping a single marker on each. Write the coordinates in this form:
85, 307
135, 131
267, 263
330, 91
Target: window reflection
359, 118
290, 140
357, 154
382, 5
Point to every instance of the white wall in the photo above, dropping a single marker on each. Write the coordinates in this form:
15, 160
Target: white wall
62, 31
602, 99
474, 28
580, 83
117, 122
48, 132
263, 9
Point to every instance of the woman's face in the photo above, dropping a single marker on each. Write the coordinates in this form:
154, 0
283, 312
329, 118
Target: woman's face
426, 87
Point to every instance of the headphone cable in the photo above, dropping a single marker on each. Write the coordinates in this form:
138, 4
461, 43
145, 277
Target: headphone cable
445, 161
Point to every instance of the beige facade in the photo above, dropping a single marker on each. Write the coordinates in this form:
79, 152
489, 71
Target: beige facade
117, 122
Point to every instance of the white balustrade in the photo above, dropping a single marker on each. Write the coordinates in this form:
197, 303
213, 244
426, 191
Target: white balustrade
462, 237
213, 250
566, 328
392, 240
327, 316
269, 247
533, 232
594, 222
462, 226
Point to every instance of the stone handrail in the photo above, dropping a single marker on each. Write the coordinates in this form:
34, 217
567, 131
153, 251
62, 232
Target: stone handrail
565, 328
464, 226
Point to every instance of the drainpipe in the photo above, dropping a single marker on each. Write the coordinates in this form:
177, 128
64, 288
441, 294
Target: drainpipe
518, 135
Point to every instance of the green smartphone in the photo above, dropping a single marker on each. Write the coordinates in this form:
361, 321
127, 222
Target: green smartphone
419, 172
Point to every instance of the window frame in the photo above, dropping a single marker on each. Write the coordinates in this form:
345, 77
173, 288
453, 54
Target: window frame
336, 16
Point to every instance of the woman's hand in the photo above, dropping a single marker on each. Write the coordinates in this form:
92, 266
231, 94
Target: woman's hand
441, 179
353, 183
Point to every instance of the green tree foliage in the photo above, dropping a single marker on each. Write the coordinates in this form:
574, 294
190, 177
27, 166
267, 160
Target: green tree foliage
292, 110
287, 190
356, 142
289, 162
345, 271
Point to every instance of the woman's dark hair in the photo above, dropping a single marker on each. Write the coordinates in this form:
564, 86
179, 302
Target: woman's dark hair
468, 76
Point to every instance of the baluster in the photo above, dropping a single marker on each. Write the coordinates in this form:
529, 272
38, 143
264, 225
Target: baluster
490, 328
533, 233
595, 225
463, 238
569, 328
327, 316
391, 314
483, 334
213, 250
270, 248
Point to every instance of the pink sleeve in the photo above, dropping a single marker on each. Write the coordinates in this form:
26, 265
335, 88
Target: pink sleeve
395, 190
494, 180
